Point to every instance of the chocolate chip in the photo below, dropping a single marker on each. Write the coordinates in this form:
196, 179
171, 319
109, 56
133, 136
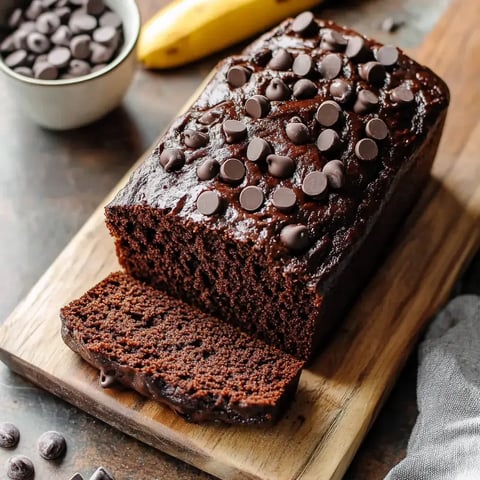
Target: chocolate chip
28, 27
34, 10
277, 90
357, 49
81, 22
295, 237
78, 68
62, 36
315, 184
15, 18
373, 72
45, 71
377, 129
172, 159
194, 139
257, 106
47, 23
332, 40
105, 35
19, 38
328, 113
7, 45
100, 53
209, 203
51, 445
238, 76
208, 169
304, 23
107, 380
391, 24
25, 71
208, 118
16, 59
20, 467
387, 55
262, 57
102, 474
334, 170
281, 60
302, 65
251, 198
328, 140
258, 149
59, 57
297, 132
366, 149
9, 435
304, 88
331, 66
234, 130
63, 13
232, 170
284, 199
280, 166
110, 19
341, 90
366, 102
80, 46
402, 94
94, 7
37, 42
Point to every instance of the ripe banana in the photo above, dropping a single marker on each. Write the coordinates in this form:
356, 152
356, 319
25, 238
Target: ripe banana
187, 30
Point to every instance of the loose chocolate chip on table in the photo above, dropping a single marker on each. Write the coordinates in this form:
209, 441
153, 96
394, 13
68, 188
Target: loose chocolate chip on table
277, 90
366, 149
391, 24
94, 7
334, 170
208, 169
20, 467
172, 159
107, 380
328, 140
232, 170
208, 118
284, 199
304, 88
194, 139
45, 71
47, 23
110, 19
281, 60
315, 184
341, 90
251, 198
100, 53
102, 474
280, 166
209, 203
16, 59
387, 55
377, 129
402, 94
62, 36
357, 49
78, 68
258, 149
331, 66
257, 106
105, 35
238, 76
51, 445
332, 40
9, 435
234, 130
80, 46
304, 23
59, 57
328, 113
15, 18
295, 237
366, 102
297, 132
81, 22
302, 65
25, 71
37, 42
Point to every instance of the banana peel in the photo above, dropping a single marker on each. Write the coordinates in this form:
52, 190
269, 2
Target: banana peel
187, 30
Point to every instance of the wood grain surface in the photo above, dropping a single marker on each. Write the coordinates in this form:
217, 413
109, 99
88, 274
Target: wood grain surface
452, 203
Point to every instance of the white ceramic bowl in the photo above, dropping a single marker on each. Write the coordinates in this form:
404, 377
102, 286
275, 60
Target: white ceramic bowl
72, 103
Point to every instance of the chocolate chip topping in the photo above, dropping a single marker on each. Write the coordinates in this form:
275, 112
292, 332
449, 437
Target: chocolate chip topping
208, 169
277, 90
172, 159
194, 139
332, 40
297, 132
331, 66
366, 149
328, 140
377, 129
402, 94
51, 445
232, 170
334, 170
302, 65
356, 49
328, 113
251, 198
281, 60
341, 90
258, 149
234, 130
238, 76
280, 166
315, 184
208, 203
366, 102
284, 199
9, 435
387, 55
208, 118
102, 474
305, 23
304, 88
262, 57
257, 106
373, 72
295, 237
20, 467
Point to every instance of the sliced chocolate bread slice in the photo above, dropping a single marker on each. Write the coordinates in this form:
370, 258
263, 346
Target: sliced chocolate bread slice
202, 368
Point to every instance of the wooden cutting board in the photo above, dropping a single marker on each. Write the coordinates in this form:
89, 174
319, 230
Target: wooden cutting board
340, 395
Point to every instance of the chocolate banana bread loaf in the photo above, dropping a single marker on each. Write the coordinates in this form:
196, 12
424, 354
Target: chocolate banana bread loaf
202, 368
269, 202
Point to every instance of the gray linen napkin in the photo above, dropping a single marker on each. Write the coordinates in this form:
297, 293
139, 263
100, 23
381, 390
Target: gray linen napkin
445, 442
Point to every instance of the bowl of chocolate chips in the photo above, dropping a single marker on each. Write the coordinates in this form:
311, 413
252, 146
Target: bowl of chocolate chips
68, 63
